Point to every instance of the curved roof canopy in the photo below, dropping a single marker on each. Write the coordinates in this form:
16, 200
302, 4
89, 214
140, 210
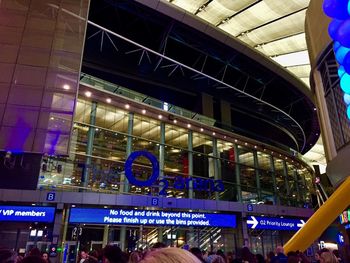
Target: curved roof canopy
149, 51
273, 27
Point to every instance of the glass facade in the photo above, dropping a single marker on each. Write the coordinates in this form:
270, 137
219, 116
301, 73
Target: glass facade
104, 136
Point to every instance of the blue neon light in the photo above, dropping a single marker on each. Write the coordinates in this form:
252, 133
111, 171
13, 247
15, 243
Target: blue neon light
150, 217
128, 169
27, 213
274, 223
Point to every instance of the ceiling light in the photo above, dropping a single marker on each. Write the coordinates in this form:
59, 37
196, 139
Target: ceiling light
143, 111
175, 121
236, 140
108, 100
202, 129
188, 125
66, 87
214, 133
88, 94
127, 106
160, 116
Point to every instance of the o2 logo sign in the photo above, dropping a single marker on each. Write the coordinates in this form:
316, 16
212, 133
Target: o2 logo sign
179, 183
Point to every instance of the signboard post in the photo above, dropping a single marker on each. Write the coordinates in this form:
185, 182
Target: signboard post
274, 223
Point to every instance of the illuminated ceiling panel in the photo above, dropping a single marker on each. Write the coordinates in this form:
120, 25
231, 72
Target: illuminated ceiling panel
300, 71
260, 14
219, 10
290, 25
189, 5
284, 45
293, 59
273, 27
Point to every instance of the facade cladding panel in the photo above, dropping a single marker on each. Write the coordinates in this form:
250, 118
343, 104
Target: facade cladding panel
160, 88
41, 51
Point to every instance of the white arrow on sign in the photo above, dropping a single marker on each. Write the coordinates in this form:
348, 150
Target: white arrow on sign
301, 224
253, 222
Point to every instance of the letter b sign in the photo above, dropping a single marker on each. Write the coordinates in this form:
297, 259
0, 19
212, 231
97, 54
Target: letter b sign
50, 196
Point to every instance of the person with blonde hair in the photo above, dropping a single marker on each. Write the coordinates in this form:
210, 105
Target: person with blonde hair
170, 255
328, 257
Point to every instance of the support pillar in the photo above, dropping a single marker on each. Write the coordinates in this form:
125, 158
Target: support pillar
285, 173
238, 174
257, 174
273, 175
124, 184
122, 237
89, 145
161, 150
216, 165
161, 167
190, 164
105, 239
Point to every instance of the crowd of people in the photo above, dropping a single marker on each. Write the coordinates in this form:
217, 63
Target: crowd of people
160, 253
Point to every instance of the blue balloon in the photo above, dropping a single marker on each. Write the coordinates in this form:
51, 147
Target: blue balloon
333, 27
346, 99
348, 112
341, 53
336, 8
336, 45
345, 83
341, 71
346, 63
343, 33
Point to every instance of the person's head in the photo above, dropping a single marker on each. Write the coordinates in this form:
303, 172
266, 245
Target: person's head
279, 250
134, 257
221, 253
33, 259
45, 256
270, 255
293, 259
197, 252
328, 257
84, 254
158, 245
113, 254
260, 258
7, 255
170, 255
35, 252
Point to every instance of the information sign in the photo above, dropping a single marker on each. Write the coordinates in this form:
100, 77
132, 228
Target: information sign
150, 217
274, 223
27, 213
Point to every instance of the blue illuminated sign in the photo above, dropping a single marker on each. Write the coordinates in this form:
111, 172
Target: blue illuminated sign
130, 175
274, 223
150, 217
179, 182
340, 239
27, 213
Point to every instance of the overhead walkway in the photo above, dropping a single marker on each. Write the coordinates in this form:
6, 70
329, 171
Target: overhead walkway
321, 219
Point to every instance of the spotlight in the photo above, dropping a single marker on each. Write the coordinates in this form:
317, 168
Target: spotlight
127, 106
109, 100
88, 94
66, 87
143, 111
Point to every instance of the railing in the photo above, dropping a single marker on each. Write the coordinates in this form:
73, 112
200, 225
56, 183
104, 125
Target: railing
130, 94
